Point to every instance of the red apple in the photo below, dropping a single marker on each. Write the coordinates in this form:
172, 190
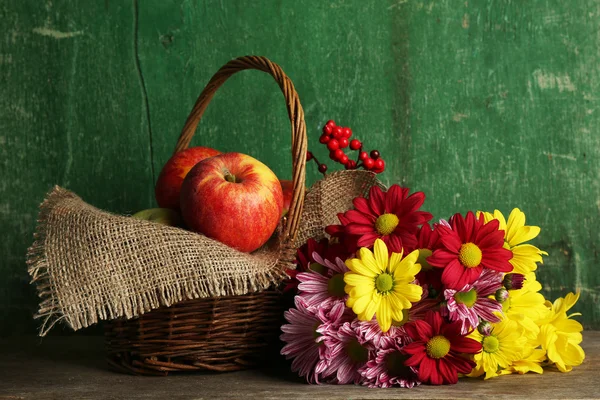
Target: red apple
232, 198
288, 188
168, 185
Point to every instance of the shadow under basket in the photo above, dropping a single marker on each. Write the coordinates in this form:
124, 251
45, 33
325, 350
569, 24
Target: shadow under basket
218, 334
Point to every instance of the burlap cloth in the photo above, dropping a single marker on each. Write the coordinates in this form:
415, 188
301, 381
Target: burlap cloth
90, 265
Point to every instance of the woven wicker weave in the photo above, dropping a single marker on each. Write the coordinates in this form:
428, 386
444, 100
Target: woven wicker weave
217, 333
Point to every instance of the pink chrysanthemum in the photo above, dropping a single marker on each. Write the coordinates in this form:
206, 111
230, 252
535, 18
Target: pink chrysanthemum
467, 248
391, 216
347, 352
325, 288
304, 337
471, 303
387, 368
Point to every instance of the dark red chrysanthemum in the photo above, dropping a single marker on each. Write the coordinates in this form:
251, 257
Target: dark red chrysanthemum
439, 351
427, 239
391, 216
429, 277
467, 247
344, 238
304, 259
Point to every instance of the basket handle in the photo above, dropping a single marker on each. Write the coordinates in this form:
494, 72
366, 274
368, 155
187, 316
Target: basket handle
296, 115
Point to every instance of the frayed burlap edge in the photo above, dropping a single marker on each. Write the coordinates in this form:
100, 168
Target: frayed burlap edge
49, 307
54, 279
80, 291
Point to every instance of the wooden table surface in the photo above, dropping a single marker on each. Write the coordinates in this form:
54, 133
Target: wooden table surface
73, 367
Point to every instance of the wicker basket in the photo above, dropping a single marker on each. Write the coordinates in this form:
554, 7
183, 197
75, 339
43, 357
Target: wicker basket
218, 333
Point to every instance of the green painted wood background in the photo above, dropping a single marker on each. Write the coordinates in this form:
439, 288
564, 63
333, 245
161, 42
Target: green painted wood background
480, 104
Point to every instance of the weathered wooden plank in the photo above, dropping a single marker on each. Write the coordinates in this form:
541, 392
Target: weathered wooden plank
73, 367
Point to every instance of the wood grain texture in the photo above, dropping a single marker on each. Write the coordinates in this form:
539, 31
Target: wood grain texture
74, 367
479, 104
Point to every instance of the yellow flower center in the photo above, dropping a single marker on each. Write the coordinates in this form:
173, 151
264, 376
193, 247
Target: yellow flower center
423, 254
318, 268
336, 285
386, 223
384, 283
404, 319
438, 347
467, 298
469, 255
490, 344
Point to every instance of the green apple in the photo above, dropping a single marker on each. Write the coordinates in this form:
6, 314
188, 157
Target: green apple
164, 216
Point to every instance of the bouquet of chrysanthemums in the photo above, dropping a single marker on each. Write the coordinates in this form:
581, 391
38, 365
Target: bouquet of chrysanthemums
392, 300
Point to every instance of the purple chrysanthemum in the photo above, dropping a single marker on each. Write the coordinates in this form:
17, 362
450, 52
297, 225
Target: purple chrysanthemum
304, 336
387, 369
471, 303
326, 288
348, 353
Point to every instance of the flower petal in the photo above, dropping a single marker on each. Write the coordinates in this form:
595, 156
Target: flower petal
360, 218
357, 266
377, 200
408, 267
361, 204
393, 198
441, 258
359, 280
516, 220
384, 315
410, 292
380, 252
367, 239
360, 304
356, 228
448, 372
371, 309
368, 260
452, 274
465, 345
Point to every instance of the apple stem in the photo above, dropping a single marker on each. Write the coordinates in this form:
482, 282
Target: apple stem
229, 177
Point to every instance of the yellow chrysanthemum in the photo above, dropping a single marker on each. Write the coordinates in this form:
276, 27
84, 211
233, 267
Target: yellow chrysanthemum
531, 361
526, 306
501, 348
560, 336
525, 256
381, 285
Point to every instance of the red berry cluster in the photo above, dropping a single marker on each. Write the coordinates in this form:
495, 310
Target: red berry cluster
337, 138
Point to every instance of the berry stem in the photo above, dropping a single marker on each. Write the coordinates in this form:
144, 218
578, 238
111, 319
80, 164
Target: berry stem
318, 163
358, 157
